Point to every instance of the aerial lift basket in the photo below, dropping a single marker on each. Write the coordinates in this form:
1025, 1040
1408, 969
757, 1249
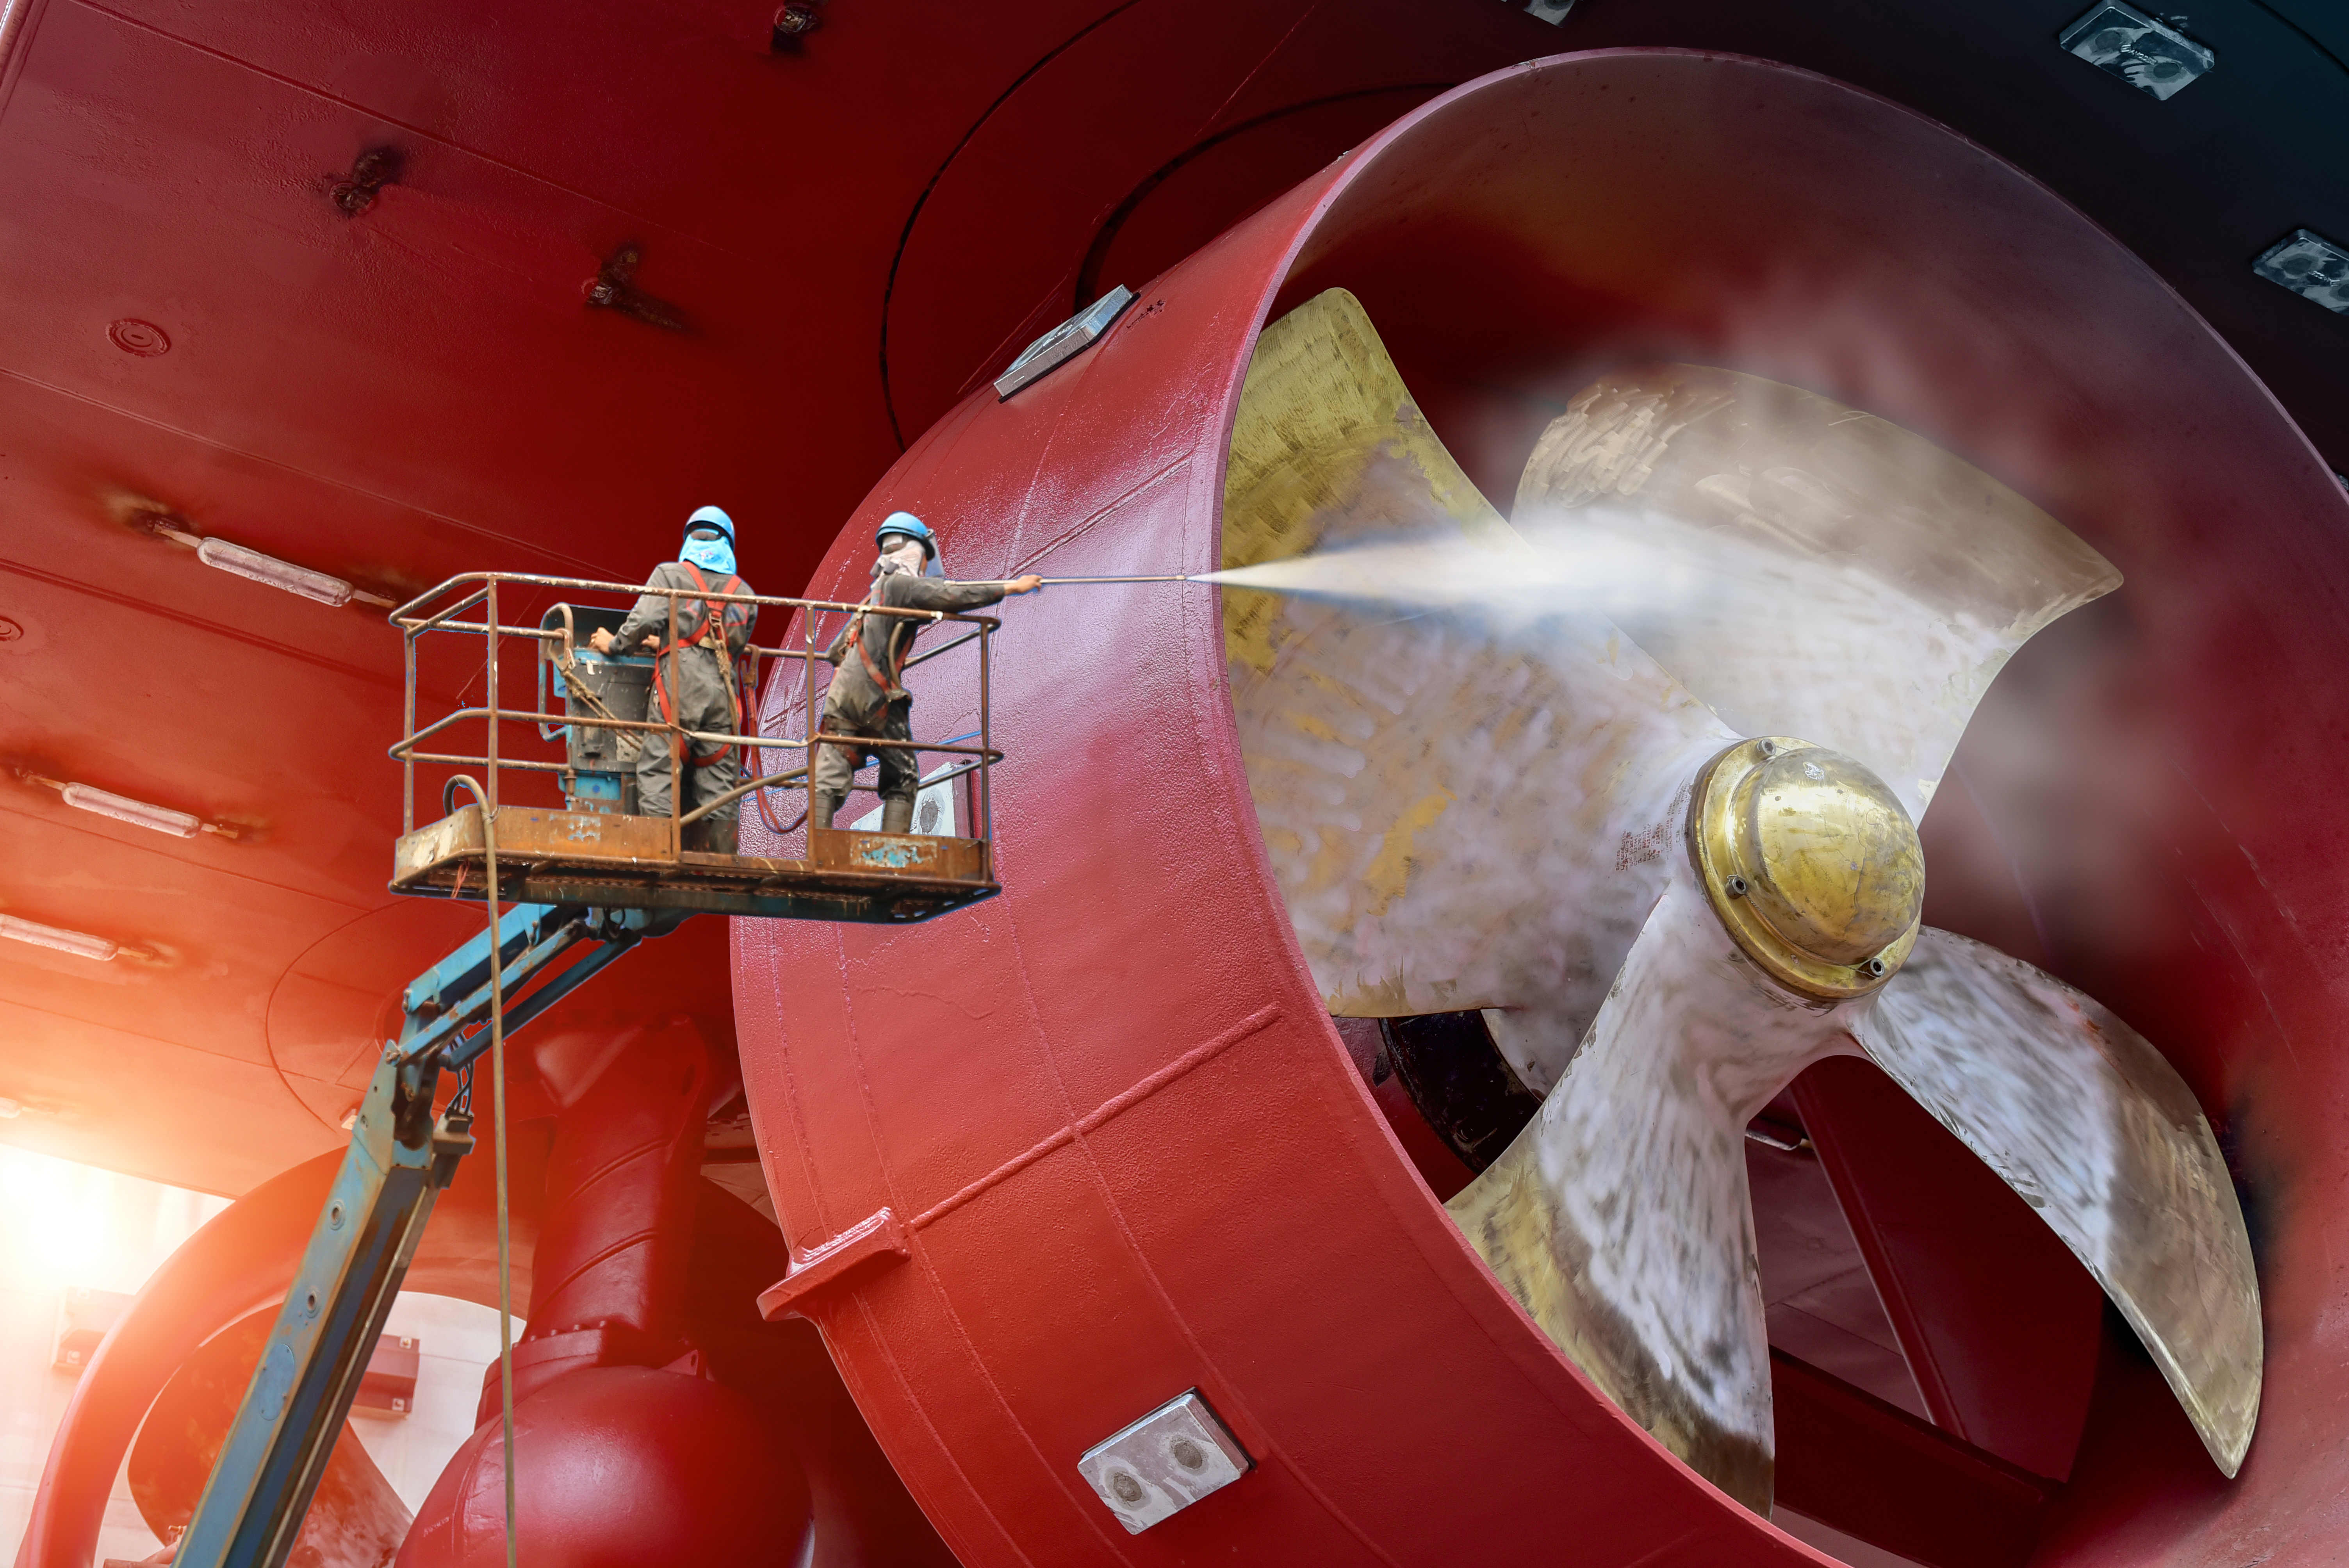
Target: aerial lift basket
590, 847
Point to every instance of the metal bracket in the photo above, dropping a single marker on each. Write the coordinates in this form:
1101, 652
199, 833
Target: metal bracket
874, 1243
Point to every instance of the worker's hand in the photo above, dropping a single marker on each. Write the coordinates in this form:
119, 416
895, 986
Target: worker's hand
1027, 584
601, 640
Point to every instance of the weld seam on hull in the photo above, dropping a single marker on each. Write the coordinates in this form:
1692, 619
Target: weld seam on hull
1189, 1061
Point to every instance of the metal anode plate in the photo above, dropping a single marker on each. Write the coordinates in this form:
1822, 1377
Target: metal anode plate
1164, 1463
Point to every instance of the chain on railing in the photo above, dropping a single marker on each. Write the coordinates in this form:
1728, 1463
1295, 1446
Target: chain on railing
428, 615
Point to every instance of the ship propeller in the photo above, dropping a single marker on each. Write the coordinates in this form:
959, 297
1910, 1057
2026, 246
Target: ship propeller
1638, 777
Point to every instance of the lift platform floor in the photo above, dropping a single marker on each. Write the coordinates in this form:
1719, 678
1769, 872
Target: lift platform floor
608, 861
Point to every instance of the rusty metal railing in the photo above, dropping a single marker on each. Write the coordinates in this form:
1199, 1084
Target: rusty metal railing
439, 612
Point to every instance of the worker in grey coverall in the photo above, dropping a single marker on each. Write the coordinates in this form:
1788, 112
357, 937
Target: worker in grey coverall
694, 681
867, 696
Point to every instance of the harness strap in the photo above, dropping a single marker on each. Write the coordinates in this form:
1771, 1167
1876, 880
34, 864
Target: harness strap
709, 625
891, 690
890, 683
709, 632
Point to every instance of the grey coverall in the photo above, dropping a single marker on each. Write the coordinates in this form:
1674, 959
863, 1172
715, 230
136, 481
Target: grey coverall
690, 689
857, 704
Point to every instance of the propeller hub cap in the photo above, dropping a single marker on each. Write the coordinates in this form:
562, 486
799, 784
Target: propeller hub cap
1811, 863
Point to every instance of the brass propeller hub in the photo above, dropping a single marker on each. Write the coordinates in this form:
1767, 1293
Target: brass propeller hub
1811, 863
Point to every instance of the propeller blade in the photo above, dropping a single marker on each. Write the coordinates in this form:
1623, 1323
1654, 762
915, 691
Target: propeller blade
1620, 1219
1460, 813
1809, 570
2076, 1112
1485, 808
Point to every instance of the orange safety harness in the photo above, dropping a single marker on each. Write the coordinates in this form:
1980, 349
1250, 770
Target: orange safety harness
853, 636
708, 630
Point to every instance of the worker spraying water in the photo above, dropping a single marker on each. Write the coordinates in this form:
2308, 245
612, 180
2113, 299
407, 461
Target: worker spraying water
867, 699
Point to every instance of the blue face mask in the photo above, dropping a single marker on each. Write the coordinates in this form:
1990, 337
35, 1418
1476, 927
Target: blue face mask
709, 551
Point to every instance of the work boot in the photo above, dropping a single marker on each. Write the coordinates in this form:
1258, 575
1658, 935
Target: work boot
897, 814
714, 835
823, 808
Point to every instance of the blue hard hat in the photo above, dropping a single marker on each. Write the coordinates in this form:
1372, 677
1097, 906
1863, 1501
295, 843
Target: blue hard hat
710, 517
911, 527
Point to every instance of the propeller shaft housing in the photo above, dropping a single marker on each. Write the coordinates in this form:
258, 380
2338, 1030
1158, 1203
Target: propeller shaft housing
1811, 862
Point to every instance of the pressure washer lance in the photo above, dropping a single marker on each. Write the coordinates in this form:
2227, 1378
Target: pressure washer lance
1161, 577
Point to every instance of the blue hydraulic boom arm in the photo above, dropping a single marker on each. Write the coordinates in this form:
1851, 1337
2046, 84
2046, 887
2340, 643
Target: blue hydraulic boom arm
400, 1157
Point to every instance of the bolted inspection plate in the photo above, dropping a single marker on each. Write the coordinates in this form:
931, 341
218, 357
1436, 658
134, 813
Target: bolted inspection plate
1164, 1463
